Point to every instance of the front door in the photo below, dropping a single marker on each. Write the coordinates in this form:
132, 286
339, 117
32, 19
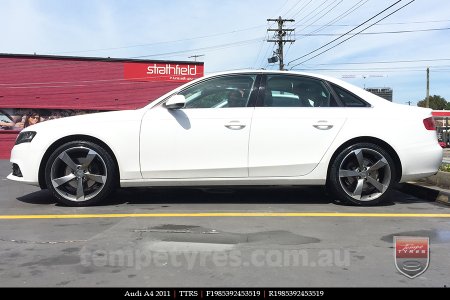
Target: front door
208, 138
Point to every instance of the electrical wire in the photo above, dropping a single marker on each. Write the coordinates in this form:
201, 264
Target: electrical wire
301, 10
386, 62
379, 32
312, 16
326, 13
158, 43
354, 34
323, 46
341, 16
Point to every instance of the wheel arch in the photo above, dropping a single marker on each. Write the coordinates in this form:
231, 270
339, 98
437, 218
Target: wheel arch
72, 138
373, 140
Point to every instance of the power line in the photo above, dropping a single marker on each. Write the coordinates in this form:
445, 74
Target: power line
373, 68
299, 10
312, 11
341, 16
267, 52
374, 33
326, 13
259, 53
385, 24
159, 43
312, 16
355, 34
386, 62
345, 33
221, 46
183, 52
281, 8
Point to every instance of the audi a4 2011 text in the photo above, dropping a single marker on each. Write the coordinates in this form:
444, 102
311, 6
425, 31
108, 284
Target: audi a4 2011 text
236, 128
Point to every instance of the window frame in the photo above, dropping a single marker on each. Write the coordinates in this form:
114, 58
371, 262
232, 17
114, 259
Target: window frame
263, 87
253, 92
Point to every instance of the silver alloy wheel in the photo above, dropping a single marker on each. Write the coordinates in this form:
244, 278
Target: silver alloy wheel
364, 174
78, 174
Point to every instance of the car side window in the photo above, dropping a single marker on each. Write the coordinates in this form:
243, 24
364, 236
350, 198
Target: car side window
220, 92
347, 98
296, 91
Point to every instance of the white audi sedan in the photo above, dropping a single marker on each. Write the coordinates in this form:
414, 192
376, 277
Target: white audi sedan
236, 129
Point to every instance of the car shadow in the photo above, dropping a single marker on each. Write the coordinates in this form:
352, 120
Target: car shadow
220, 195
199, 195
234, 195
43, 197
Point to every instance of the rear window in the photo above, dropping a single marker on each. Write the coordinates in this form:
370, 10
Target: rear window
296, 91
348, 99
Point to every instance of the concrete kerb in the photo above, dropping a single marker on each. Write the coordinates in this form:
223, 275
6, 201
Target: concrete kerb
429, 193
434, 188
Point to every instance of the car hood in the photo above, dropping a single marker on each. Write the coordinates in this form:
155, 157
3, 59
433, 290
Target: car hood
112, 118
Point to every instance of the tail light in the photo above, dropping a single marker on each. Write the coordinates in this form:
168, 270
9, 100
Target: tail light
429, 123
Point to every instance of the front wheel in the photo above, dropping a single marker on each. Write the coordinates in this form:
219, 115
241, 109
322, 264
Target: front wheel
362, 174
80, 173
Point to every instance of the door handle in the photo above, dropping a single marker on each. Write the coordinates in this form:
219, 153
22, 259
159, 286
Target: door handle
235, 125
323, 126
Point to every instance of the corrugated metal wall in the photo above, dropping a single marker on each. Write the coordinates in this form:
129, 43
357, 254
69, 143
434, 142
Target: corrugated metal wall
29, 81
6, 143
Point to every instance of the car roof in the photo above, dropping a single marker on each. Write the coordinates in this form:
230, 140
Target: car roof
373, 99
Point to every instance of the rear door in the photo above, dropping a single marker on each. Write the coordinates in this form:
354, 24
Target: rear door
292, 128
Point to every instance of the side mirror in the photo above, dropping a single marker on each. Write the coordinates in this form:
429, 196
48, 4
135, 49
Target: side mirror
175, 102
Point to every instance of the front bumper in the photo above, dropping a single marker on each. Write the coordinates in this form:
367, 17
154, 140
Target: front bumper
28, 159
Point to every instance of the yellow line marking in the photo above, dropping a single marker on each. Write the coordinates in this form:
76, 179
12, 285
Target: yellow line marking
225, 214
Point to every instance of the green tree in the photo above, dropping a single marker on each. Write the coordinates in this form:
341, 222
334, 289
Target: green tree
436, 102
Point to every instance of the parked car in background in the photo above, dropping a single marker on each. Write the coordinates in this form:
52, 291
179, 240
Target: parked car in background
288, 128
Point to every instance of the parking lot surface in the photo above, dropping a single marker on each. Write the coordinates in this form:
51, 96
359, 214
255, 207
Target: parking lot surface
194, 237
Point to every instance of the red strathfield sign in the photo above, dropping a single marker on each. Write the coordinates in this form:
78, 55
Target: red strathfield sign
412, 255
440, 113
162, 72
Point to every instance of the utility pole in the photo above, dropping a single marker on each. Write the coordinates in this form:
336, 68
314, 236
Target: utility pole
409, 102
428, 88
195, 56
279, 35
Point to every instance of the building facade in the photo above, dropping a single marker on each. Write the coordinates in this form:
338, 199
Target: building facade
385, 93
36, 88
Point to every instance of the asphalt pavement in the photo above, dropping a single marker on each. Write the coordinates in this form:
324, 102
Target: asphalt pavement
191, 237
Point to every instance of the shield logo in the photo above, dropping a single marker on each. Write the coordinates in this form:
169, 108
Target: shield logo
412, 255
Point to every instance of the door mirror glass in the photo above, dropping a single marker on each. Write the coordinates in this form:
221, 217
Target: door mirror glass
176, 102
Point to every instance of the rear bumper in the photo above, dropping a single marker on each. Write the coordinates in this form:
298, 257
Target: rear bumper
420, 162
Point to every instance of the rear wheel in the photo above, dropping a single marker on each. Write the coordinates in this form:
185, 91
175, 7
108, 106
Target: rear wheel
80, 173
362, 174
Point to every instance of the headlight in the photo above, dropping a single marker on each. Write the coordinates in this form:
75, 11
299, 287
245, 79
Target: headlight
25, 137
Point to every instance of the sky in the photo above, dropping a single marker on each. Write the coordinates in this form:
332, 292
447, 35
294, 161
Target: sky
232, 34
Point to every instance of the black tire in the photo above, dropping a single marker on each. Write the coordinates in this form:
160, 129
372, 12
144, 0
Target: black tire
80, 173
362, 174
